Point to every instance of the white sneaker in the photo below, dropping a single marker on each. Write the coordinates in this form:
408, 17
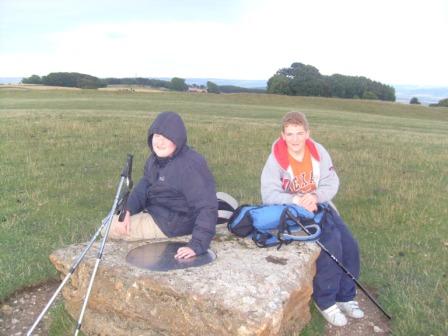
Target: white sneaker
334, 316
351, 308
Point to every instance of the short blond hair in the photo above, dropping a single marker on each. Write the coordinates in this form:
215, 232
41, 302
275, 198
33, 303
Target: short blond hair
295, 118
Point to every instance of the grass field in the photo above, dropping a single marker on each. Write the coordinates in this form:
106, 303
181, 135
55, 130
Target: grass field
62, 153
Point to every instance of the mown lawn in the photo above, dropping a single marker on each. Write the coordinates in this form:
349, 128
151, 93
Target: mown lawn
62, 153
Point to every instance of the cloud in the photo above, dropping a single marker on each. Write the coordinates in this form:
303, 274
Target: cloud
153, 49
392, 42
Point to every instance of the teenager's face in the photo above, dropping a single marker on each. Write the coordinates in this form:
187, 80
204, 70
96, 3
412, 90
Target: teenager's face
295, 137
163, 147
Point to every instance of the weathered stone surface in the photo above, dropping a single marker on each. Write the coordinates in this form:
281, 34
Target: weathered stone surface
245, 291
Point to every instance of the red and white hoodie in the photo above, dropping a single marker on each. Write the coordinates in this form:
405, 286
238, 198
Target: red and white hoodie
277, 174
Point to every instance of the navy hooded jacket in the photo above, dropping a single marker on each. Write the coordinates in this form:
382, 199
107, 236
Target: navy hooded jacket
179, 191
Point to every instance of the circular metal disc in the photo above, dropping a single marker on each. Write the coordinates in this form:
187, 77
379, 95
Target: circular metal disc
160, 257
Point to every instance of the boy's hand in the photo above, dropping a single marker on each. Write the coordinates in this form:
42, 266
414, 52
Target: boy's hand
123, 227
308, 201
184, 253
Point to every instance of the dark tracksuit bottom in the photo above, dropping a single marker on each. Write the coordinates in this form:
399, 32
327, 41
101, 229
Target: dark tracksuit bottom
331, 284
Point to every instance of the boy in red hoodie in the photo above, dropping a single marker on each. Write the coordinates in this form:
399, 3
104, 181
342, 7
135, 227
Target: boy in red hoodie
299, 171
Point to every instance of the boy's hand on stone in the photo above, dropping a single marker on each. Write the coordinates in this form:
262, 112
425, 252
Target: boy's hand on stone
184, 253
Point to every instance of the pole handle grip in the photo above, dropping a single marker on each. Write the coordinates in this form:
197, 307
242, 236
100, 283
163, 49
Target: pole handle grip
122, 210
126, 174
127, 170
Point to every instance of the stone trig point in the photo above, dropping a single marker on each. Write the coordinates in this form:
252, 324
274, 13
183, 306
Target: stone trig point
246, 291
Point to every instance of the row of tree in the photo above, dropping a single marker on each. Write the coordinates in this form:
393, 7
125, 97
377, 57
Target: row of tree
441, 103
179, 84
214, 88
79, 80
176, 83
306, 80
138, 81
66, 79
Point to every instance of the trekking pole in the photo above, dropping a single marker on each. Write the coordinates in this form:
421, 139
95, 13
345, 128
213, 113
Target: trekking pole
75, 265
69, 274
125, 176
291, 216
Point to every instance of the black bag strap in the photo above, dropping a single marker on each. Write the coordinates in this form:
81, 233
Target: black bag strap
235, 214
284, 230
282, 227
240, 223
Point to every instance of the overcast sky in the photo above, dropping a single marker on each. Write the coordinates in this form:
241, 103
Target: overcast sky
392, 41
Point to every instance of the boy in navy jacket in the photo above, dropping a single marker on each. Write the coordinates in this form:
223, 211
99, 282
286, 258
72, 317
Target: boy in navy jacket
176, 195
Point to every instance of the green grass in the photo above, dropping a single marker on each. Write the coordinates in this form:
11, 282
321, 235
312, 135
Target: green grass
62, 153
61, 322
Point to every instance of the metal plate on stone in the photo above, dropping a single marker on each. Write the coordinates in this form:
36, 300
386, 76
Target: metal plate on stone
160, 257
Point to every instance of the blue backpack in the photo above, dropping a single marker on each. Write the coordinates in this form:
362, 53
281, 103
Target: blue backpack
272, 225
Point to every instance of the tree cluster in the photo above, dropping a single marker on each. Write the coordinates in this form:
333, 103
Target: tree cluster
176, 83
215, 88
414, 101
441, 103
239, 89
138, 81
74, 79
66, 79
306, 80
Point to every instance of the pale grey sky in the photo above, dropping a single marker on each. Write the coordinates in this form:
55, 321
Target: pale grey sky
392, 41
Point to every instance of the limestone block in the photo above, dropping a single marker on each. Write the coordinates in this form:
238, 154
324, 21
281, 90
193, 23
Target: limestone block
246, 291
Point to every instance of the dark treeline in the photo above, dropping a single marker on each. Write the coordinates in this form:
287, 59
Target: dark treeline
297, 80
305, 80
441, 103
159, 83
179, 84
238, 89
176, 83
79, 80
67, 79
214, 88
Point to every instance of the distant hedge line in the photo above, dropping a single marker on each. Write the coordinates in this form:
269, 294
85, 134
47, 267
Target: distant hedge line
441, 103
79, 80
159, 83
297, 80
67, 79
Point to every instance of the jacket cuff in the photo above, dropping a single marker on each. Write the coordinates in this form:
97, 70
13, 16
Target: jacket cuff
196, 247
131, 210
131, 206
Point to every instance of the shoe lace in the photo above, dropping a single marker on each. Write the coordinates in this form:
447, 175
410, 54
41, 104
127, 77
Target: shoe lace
353, 305
332, 311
